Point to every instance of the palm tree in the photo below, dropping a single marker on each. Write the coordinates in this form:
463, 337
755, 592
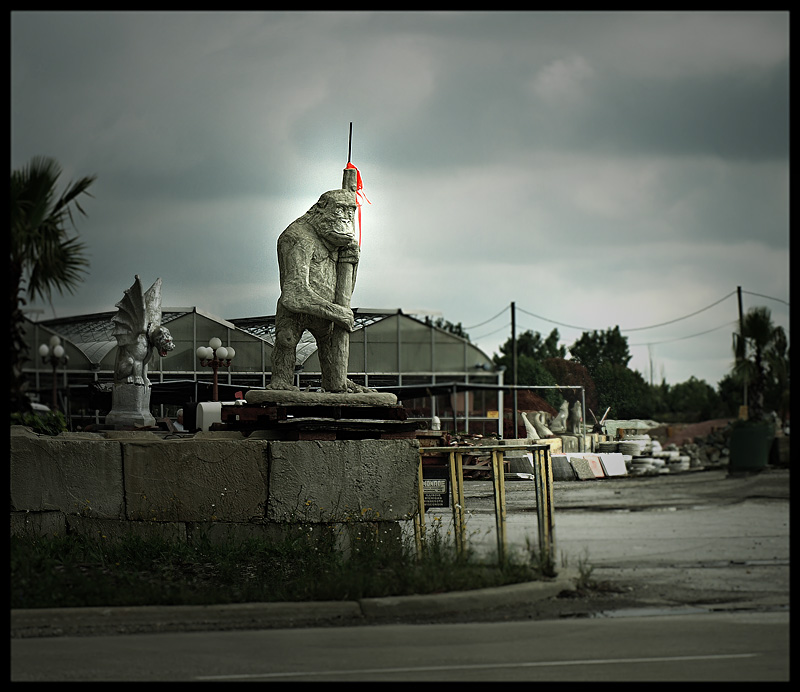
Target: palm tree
43, 254
758, 352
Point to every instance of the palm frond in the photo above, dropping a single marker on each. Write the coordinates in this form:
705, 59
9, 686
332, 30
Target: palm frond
41, 247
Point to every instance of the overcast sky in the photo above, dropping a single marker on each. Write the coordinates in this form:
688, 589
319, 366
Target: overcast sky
594, 168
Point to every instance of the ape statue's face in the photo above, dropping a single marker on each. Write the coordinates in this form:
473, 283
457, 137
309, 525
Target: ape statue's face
334, 218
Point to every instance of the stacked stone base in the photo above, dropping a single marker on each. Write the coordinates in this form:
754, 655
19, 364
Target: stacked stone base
225, 487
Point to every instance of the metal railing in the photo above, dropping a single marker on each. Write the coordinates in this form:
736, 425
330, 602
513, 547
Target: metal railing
454, 460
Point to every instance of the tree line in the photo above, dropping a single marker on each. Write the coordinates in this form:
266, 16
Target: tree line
598, 361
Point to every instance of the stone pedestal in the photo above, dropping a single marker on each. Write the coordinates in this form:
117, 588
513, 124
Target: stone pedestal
285, 397
130, 407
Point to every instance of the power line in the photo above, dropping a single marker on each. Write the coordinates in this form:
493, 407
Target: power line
690, 336
635, 329
474, 326
483, 336
632, 329
571, 326
780, 300
638, 329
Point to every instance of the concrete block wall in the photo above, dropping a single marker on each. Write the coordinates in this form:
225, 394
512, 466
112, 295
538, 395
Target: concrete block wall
222, 484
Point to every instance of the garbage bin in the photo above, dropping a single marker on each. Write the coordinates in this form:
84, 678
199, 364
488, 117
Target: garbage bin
750, 445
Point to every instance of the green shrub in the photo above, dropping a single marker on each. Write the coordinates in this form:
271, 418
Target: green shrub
50, 423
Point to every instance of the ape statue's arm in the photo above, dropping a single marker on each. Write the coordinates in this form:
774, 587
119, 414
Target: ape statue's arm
298, 294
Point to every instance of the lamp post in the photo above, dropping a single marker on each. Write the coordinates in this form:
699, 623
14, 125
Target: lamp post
215, 356
55, 356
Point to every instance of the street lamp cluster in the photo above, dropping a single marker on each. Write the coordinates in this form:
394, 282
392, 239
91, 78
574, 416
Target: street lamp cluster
215, 356
55, 356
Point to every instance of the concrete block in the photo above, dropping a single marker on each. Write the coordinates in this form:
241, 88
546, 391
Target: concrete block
112, 530
344, 537
520, 464
195, 480
230, 533
96, 436
583, 469
594, 463
613, 464
70, 475
569, 444
562, 469
219, 435
37, 524
342, 480
555, 444
131, 435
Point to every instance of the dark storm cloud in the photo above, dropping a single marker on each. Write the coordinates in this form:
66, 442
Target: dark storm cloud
729, 116
636, 161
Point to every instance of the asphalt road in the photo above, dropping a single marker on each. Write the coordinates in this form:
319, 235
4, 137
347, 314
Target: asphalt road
690, 582
719, 647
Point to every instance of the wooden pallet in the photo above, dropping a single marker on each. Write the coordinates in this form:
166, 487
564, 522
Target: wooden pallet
319, 422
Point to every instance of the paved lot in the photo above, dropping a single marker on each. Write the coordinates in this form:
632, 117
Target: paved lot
699, 539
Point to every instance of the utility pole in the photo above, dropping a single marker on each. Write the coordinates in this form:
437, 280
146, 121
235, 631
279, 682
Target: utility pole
514, 363
742, 344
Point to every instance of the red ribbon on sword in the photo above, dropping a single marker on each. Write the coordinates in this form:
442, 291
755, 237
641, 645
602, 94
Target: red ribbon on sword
359, 183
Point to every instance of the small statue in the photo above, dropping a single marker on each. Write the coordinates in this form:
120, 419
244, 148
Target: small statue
138, 330
137, 327
539, 422
576, 418
529, 427
559, 423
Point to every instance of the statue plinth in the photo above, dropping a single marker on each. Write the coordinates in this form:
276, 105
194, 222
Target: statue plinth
131, 407
285, 397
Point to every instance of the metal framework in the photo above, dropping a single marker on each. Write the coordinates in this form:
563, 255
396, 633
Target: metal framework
389, 350
454, 459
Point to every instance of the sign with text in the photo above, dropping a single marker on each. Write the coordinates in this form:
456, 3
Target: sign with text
436, 487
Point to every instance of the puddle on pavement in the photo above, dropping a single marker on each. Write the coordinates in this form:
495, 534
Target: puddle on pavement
626, 510
681, 610
649, 612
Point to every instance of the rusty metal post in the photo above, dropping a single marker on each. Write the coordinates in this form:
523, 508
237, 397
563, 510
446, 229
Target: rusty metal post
498, 483
543, 477
419, 517
455, 462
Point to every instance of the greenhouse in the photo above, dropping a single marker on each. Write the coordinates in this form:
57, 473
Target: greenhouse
432, 371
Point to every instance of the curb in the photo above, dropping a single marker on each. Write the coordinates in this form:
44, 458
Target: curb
467, 601
61, 622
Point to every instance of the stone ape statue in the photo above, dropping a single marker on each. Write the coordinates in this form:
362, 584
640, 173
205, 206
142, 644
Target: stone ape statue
317, 257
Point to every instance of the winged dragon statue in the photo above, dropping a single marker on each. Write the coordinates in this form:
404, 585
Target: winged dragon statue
138, 330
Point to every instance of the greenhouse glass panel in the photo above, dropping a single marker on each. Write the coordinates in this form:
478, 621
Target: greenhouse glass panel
356, 360
415, 357
249, 356
448, 353
384, 331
